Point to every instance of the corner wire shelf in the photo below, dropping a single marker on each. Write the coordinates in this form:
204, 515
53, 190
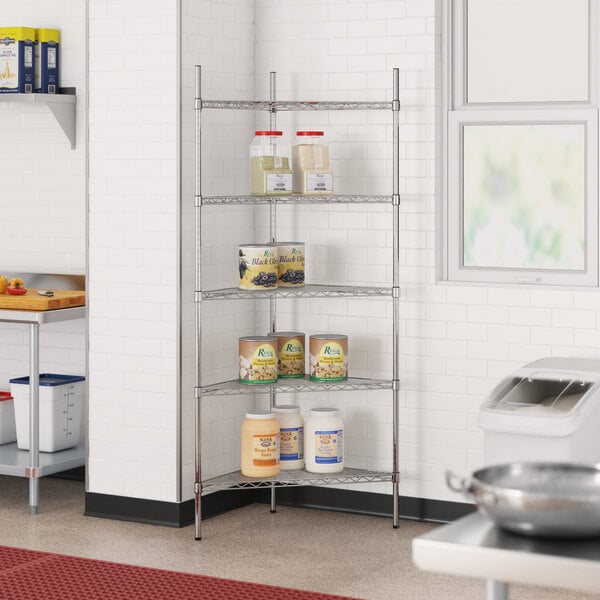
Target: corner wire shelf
294, 478
277, 106
292, 199
282, 386
306, 291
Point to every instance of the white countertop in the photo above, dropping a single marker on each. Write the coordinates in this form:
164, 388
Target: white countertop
473, 547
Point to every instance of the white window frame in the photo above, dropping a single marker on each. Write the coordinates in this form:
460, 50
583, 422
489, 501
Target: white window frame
457, 112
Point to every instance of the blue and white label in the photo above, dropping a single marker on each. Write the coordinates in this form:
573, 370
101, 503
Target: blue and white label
292, 443
329, 447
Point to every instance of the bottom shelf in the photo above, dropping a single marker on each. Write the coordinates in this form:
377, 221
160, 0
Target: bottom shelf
15, 462
291, 478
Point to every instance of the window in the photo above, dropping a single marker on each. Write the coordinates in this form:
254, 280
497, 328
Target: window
520, 130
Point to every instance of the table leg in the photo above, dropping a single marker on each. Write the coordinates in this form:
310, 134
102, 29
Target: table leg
34, 416
496, 590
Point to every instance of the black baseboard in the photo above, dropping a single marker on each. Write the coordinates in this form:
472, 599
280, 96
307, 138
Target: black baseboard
76, 474
175, 514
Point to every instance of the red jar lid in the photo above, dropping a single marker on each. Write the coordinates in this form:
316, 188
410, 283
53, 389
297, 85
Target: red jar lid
309, 133
5, 396
268, 133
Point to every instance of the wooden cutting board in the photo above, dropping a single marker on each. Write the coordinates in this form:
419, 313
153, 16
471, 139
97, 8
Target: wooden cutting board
33, 301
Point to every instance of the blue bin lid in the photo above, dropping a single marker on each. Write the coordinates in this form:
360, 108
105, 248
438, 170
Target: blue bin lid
50, 379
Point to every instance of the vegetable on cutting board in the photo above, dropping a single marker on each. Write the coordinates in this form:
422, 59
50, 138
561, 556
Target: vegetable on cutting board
15, 286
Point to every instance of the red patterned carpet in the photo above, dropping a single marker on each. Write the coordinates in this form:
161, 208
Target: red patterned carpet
32, 575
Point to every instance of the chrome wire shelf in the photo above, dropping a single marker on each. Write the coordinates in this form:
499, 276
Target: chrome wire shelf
304, 384
306, 291
276, 106
292, 199
294, 478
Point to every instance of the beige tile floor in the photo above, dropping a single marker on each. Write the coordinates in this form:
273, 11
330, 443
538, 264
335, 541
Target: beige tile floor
352, 555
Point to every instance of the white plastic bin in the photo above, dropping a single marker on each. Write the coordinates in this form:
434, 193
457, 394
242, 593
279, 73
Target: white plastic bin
549, 410
8, 430
61, 402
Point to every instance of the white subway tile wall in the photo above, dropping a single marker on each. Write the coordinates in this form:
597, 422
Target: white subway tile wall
456, 340
133, 249
219, 37
43, 201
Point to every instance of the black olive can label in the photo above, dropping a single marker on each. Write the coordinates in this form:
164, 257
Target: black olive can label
258, 266
291, 264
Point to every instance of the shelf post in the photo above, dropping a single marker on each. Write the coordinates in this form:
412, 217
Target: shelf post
273, 236
198, 312
396, 293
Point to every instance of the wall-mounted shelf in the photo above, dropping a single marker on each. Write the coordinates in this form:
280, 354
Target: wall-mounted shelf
61, 105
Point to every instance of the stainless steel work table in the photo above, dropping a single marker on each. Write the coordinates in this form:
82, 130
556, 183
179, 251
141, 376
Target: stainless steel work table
473, 547
31, 464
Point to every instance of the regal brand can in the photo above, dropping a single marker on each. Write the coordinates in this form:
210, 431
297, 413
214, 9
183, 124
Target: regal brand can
258, 359
258, 266
290, 354
16, 60
291, 264
328, 357
47, 42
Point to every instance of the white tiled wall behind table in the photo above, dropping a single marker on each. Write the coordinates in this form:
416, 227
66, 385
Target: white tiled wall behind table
42, 198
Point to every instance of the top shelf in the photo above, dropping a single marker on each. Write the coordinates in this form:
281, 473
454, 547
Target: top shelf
61, 105
278, 106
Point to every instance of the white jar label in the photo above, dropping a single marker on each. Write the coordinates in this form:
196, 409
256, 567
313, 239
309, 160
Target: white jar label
318, 182
265, 449
278, 182
292, 443
329, 447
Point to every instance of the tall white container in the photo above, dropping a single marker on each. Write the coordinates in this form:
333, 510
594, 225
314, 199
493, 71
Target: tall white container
324, 441
291, 426
61, 405
8, 430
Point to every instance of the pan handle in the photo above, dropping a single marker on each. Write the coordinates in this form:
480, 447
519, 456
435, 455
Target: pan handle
462, 485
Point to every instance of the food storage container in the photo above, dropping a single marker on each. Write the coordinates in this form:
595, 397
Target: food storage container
310, 161
270, 172
61, 403
260, 444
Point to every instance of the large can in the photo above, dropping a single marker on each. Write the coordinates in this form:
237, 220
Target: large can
290, 354
328, 357
258, 359
258, 266
291, 264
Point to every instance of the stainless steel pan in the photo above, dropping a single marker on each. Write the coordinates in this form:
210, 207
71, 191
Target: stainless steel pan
536, 498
